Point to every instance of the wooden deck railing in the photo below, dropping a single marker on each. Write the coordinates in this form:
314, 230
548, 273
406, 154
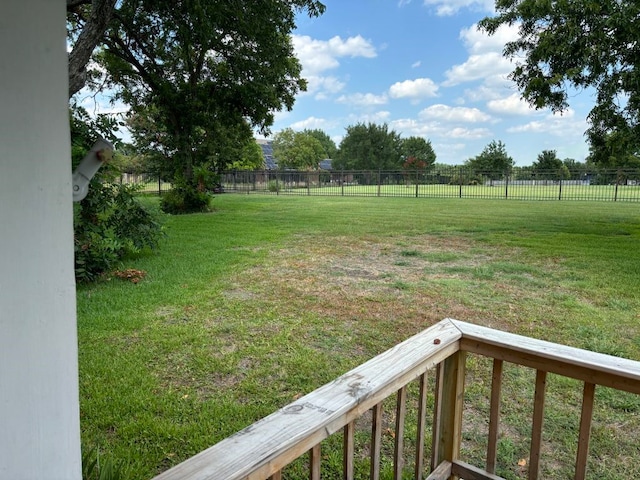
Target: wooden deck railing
262, 450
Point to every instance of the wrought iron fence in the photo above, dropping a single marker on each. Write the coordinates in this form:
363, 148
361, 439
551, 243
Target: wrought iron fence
458, 182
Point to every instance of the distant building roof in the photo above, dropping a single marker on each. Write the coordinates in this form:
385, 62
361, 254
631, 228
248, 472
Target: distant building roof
270, 163
325, 164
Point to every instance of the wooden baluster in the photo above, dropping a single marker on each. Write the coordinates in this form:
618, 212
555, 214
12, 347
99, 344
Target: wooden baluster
437, 416
422, 413
494, 415
401, 410
348, 451
376, 441
538, 418
314, 463
585, 430
276, 476
448, 435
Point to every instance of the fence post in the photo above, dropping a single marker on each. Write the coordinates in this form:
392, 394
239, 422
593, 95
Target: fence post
560, 188
447, 424
342, 181
308, 183
615, 195
416, 184
506, 185
379, 180
460, 177
277, 185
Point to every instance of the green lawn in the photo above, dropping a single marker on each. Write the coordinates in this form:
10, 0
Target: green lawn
246, 308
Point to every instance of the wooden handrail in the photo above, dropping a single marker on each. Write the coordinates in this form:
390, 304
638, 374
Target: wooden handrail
263, 449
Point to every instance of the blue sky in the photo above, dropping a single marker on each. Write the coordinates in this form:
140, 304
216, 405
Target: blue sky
422, 67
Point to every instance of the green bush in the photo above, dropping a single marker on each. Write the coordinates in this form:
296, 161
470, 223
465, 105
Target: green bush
110, 224
185, 199
273, 186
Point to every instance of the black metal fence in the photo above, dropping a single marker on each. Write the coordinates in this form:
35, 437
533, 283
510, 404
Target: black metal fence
459, 182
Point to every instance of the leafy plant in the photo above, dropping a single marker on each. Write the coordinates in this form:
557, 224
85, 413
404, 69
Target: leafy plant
109, 223
185, 199
96, 468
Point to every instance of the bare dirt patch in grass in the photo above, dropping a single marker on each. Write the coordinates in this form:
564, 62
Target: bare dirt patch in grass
407, 282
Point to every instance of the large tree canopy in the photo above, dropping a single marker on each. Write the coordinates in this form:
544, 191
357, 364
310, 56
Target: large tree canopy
297, 150
369, 147
577, 44
493, 161
204, 65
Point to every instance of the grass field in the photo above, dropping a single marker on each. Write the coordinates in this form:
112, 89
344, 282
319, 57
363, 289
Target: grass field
620, 193
246, 308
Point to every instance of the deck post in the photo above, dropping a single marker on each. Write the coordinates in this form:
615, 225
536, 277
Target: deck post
449, 405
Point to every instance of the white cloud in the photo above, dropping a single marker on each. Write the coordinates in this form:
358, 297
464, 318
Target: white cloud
477, 41
377, 117
557, 124
322, 87
317, 56
468, 133
511, 105
430, 129
310, 123
479, 67
415, 89
416, 64
454, 114
451, 7
363, 99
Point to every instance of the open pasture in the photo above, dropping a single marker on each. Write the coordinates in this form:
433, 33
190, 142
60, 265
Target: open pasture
268, 297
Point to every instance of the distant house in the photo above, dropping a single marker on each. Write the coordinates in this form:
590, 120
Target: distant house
270, 163
325, 164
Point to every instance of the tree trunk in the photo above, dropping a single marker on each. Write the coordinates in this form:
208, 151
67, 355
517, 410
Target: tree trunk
91, 35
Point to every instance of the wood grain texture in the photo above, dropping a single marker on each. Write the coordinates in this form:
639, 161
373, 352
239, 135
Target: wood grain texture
590, 367
494, 415
585, 430
265, 447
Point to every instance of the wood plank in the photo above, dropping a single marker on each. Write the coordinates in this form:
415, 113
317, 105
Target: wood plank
469, 472
348, 450
441, 472
314, 463
585, 430
494, 416
398, 451
449, 436
591, 367
271, 443
422, 420
437, 417
276, 476
376, 441
538, 420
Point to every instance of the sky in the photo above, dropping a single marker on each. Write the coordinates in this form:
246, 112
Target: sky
423, 68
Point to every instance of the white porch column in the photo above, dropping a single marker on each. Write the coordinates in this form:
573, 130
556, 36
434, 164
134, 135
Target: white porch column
39, 414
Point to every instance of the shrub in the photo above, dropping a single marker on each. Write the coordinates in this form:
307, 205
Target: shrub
273, 186
185, 199
110, 224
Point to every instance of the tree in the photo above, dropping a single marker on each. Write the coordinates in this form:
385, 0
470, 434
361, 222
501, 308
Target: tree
201, 69
419, 149
369, 147
579, 44
87, 21
251, 158
297, 150
493, 162
328, 144
548, 165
